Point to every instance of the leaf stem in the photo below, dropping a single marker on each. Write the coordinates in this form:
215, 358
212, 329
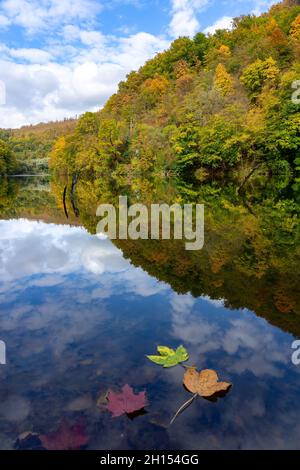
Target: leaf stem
183, 407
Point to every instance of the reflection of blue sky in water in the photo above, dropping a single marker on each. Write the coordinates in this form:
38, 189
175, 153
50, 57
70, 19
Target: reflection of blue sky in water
78, 318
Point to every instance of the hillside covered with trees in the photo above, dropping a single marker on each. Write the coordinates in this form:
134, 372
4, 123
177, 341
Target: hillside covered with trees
26, 150
206, 105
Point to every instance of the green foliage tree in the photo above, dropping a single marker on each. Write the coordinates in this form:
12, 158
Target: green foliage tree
88, 123
113, 143
258, 74
7, 159
201, 46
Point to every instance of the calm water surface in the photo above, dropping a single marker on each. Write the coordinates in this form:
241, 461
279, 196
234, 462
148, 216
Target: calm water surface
78, 315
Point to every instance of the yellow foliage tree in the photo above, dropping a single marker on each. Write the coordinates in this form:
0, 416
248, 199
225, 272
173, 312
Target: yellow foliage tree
223, 81
157, 85
295, 29
271, 25
225, 51
271, 69
57, 155
184, 75
153, 89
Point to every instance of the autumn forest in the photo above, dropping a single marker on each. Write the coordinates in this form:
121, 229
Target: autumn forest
207, 105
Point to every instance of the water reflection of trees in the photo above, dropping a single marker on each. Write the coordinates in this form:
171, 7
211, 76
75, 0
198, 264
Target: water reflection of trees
250, 257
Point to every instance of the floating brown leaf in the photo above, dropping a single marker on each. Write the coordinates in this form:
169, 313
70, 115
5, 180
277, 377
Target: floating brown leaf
205, 383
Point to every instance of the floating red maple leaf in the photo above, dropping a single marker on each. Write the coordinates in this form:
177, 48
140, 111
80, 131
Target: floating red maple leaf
66, 437
125, 402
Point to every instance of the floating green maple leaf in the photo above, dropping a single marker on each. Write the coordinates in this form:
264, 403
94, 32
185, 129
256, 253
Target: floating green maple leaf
168, 357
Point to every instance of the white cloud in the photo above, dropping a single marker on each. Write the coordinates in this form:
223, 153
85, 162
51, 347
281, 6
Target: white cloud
182, 304
4, 21
136, 49
31, 55
71, 33
184, 20
36, 15
184, 23
43, 90
222, 23
75, 67
262, 5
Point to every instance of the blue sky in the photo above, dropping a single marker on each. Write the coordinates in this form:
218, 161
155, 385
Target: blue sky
59, 58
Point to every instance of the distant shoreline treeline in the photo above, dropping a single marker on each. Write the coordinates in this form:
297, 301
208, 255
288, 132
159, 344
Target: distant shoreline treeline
26, 150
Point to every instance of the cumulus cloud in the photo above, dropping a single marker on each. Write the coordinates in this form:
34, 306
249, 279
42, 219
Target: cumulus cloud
4, 21
184, 20
222, 23
37, 15
73, 67
30, 55
45, 89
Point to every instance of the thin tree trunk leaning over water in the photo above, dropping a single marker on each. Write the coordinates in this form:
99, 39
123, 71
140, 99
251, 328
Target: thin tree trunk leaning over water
64, 201
248, 177
72, 197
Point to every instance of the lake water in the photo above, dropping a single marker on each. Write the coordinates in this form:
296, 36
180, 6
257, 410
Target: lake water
79, 314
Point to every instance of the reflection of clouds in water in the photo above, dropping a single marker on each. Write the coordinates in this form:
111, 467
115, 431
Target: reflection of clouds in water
14, 408
77, 271
61, 316
31, 249
64, 285
182, 304
256, 346
216, 303
253, 343
141, 284
188, 327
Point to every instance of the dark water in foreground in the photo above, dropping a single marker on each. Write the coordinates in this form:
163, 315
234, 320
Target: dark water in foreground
78, 315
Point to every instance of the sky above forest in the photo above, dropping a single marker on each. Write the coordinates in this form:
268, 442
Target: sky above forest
60, 58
